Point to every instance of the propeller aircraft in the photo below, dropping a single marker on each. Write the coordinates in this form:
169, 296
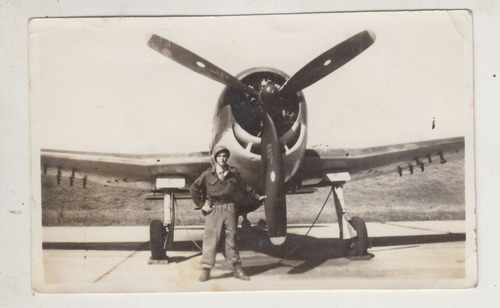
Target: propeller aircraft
261, 117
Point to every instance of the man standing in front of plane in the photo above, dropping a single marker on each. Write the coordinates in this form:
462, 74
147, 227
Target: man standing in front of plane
216, 191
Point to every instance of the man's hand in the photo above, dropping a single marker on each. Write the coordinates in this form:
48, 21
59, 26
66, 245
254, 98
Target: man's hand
262, 198
206, 209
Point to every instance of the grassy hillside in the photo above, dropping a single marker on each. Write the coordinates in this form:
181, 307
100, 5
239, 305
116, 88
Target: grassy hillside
436, 194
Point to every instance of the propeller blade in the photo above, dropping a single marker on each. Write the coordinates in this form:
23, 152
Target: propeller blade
196, 63
272, 171
328, 62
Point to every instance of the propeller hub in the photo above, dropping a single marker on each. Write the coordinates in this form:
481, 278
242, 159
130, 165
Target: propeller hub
269, 95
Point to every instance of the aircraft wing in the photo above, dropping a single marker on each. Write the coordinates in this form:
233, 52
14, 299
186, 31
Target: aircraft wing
124, 170
321, 165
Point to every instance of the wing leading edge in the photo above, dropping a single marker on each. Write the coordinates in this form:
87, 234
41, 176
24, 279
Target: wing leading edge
141, 171
369, 162
122, 170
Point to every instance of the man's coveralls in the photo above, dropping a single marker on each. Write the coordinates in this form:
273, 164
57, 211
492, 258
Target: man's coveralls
221, 196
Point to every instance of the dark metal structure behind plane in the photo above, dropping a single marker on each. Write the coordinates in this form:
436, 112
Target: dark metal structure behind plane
261, 116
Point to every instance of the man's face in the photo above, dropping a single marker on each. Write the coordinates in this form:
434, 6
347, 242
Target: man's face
221, 158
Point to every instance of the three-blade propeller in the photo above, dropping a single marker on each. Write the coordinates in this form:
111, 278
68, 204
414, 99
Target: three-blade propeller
267, 97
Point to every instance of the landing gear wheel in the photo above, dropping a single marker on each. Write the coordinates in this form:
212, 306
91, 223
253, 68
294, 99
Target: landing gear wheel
245, 224
359, 245
157, 237
245, 232
262, 224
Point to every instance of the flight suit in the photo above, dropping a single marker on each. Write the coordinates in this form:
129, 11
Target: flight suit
222, 195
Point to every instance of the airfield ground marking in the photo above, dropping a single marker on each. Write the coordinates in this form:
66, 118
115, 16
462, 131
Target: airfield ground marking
120, 263
394, 248
416, 228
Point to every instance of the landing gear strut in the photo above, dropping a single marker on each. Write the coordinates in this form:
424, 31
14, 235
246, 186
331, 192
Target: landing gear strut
161, 234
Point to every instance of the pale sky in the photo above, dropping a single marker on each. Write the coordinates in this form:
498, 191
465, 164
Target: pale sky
97, 86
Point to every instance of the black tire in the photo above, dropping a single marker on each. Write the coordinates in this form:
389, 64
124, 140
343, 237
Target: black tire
157, 237
359, 245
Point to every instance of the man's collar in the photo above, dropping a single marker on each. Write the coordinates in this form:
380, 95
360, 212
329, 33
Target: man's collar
217, 167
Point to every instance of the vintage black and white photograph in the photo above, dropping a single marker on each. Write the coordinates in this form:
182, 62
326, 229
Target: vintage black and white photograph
319, 151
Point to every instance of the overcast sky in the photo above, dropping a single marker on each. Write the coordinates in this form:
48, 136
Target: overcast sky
97, 86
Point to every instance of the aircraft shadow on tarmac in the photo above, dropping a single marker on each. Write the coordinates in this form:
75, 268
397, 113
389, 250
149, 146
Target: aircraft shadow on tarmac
311, 250
314, 251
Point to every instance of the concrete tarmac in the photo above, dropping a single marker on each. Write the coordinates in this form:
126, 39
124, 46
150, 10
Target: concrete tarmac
115, 259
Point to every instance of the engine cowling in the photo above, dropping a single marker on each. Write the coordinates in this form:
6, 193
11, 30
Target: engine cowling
247, 111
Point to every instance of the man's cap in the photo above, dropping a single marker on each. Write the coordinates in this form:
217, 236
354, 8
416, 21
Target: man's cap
220, 148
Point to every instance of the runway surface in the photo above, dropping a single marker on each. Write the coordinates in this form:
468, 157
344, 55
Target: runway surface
115, 259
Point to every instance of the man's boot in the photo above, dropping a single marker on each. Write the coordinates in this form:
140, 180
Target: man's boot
205, 274
239, 273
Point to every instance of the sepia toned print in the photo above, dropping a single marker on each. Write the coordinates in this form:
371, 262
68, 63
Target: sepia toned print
355, 129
